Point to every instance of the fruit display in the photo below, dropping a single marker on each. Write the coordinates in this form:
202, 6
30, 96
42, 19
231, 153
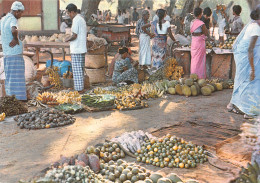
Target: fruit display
228, 44
45, 98
210, 44
70, 108
73, 174
44, 118
251, 174
54, 77
11, 106
171, 151
2, 116
171, 69
61, 97
132, 141
121, 171
129, 102
107, 152
98, 101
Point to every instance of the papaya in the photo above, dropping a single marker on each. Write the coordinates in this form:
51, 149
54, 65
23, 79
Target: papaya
178, 89
206, 90
194, 91
186, 90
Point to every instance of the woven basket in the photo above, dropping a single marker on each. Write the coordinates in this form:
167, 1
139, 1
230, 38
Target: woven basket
99, 51
96, 75
95, 61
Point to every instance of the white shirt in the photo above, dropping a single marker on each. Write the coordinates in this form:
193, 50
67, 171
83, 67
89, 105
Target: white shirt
164, 29
63, 27
252, 30
79, 27
167, 18
120, 19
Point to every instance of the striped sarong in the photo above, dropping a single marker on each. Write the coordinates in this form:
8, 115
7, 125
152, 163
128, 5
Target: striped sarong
78, 66
15, 76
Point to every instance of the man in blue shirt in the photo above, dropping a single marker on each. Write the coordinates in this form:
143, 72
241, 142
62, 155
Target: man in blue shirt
13, 53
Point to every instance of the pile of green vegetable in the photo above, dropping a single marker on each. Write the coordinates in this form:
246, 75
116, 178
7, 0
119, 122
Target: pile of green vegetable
98, 101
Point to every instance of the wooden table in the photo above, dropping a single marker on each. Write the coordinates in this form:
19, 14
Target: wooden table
38, 45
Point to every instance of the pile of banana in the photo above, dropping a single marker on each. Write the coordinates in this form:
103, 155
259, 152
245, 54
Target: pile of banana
171, 70
249, 174
54, 77
2, 116
60, 97
47, 98
129, 102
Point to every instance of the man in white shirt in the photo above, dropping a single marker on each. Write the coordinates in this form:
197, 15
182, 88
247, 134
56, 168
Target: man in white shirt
64, 24
78, 46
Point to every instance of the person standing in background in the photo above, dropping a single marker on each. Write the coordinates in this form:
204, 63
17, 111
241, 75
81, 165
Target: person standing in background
206, 17
135, 17
64, 24
13, 53
120, 17
221, 23
78, 46
236, 23
215, 18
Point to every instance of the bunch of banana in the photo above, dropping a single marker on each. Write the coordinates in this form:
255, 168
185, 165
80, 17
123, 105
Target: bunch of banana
251, 174
72, 97
54, 77
47, 98
171, 70
129, 102
149, 90
68, 75
2, 116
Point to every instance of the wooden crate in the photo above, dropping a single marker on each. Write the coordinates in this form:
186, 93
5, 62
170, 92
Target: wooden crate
221, 66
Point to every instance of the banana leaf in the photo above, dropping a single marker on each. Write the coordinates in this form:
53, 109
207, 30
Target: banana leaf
70, 108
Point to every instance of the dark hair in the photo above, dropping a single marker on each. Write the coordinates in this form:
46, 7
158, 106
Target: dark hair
237, 9
197, 12
78, 10
207, 11
148, 7
72, 7
255, 14
119, 12
124, 11
161, 14
122, 50
134, 8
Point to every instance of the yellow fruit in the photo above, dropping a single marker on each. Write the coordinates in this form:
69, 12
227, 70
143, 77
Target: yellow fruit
206, 90
155, 149
181, 165
178, 89
186, 90
156, 160
177, 160
219, 86
175, 148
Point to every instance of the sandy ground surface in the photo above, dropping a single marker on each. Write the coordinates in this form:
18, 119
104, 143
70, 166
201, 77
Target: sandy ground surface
25, 153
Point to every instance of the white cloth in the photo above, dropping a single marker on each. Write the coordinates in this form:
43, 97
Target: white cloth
252, 30
17, 6
120, 19
167, 18
144, 50
79, 27
164, 29
221, 24
63, 27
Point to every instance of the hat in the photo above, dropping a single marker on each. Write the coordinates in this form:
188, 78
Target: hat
94, 16
17, 6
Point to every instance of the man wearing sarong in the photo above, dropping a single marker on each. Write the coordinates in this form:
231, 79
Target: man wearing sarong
143, 32
13, 53
78, 46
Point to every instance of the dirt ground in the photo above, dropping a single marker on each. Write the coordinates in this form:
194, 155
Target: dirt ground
203, 120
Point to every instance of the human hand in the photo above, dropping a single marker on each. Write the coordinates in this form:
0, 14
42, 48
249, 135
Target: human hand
13, 43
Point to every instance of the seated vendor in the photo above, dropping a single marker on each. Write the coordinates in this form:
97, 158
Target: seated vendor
124, 71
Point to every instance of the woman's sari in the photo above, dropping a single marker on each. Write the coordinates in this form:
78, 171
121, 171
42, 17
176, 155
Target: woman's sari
159, 47
198, 51
246, 93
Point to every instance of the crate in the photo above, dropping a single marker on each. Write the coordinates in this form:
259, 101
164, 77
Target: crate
221, 66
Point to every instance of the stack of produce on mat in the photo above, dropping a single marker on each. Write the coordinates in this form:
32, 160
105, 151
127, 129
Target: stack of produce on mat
132, 141
171, 69
46, 98
70, 108
72, 174
11, 106
54, 77
130, 102
228, 44
171, 151
98, 101
61, 97
251, 174
2, 116
44, 118
251, 133
107, 152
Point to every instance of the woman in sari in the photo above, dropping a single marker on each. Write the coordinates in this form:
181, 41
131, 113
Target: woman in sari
246, 92
198, 45
124, 71
161, 28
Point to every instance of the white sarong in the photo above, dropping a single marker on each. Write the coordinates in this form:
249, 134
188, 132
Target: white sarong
144, 50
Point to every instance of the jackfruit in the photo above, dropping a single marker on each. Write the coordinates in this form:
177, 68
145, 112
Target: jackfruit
197, 87
172, 83
219, 86
194, 91
186, 90
225, 85
182, 81
206, 90
178, 89
172, 91
202, 82
194, 77
211, 87
189, 82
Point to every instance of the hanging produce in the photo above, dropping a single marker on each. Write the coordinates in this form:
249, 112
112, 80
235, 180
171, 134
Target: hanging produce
171, 69
54, 77
11, 106
171, 151
44, 118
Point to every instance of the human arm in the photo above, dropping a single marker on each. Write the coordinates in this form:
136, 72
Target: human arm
72, 37
15, 40
251, 56
144, 28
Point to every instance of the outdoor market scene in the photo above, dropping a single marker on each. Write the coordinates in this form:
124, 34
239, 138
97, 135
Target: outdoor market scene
146, 91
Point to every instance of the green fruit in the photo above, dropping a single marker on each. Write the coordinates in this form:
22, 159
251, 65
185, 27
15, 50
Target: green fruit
134, 179
186, 90
90, 149
155, 177
192, 181
206, 91
125, 171
211, 87
122, 177
171, 91
164, 180
189, 82
135, 171
142, 176
174, 178
197, 87
219, 86
111, 177
148, 181
178, 89
194, 91
194, 77
202, 82
129, 176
